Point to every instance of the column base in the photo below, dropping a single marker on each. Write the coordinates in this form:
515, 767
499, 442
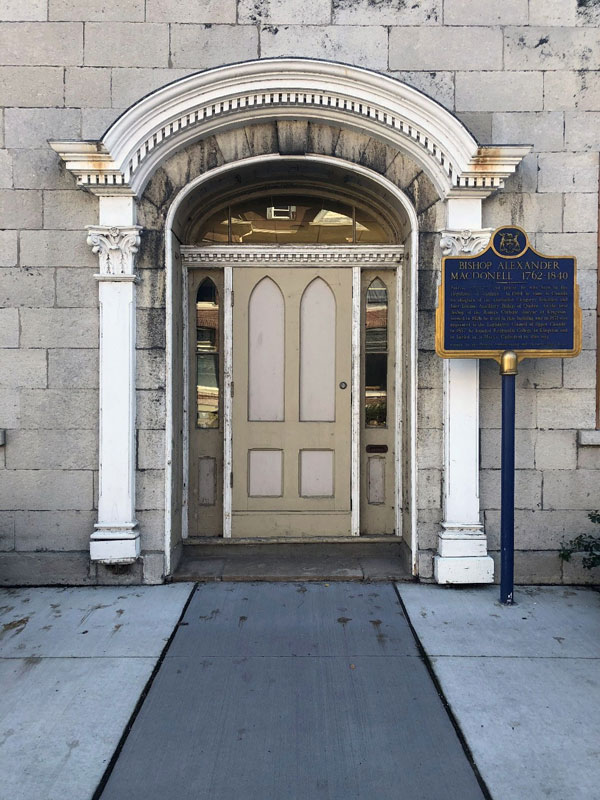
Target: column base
465, 569
115, 544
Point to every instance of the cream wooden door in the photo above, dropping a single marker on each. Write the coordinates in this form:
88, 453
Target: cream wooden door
291, 406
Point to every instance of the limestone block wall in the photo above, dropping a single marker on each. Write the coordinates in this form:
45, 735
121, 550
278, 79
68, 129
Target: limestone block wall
514, 72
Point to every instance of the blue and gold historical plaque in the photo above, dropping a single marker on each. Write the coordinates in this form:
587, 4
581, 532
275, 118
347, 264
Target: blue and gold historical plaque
509, 297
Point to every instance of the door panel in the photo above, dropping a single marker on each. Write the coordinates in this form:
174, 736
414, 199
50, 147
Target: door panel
291, 470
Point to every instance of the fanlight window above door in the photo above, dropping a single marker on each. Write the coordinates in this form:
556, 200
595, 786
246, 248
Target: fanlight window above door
294, 219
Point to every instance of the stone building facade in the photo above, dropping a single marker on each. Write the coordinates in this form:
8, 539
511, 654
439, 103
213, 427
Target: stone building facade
504, 128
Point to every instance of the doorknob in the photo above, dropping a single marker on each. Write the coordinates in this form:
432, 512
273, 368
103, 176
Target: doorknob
343, 385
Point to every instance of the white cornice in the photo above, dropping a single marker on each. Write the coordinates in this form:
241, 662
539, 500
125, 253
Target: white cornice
293, 255
274, 89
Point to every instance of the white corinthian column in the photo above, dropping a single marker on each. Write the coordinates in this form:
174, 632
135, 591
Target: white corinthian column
462, 547
115, 538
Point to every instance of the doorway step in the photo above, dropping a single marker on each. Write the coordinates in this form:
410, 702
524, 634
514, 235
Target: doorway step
365, 559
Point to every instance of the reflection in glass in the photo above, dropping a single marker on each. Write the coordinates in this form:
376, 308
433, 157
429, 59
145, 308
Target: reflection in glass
376, 354
293, 219
207, 355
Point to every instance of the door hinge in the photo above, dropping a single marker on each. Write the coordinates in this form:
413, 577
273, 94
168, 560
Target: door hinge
232, 298
231, 480
232, 388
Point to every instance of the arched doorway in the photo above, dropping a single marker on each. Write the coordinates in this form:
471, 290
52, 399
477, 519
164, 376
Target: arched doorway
303, 109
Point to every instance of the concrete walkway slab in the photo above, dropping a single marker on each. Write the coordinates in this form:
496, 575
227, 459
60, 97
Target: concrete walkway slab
286, 691
73, 664
523, 683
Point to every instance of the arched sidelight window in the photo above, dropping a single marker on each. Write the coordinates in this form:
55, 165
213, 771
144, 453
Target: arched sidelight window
294, 219
207, 355
376, 354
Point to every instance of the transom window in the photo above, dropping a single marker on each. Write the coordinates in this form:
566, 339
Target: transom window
294, 219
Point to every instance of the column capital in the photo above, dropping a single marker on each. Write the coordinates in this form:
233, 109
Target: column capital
115, 247
470, 242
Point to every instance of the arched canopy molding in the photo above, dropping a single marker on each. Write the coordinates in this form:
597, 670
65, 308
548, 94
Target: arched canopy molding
250, 92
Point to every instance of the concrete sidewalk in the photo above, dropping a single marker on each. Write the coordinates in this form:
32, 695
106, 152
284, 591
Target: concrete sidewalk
73, 664
523, 682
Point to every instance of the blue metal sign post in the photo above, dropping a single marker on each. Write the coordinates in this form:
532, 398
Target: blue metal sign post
508, 303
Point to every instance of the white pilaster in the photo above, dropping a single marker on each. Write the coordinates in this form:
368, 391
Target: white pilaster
115, 538
462, 546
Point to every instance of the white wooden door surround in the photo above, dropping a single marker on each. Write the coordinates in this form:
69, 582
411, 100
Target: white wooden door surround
118, 167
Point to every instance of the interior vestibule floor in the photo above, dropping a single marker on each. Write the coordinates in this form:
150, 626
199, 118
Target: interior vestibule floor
364, 559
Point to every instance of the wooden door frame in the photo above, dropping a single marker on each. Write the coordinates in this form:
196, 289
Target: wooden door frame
354, 257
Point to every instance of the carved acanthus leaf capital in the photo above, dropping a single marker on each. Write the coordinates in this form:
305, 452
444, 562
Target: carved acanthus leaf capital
455, 242
116, 248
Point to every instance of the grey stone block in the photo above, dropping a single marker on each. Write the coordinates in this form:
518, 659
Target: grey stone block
150, 489
580, 372
538, 529
286, 12
474, 12
9, 327
429, 448
150, 328
524, 449
45, 490
491, 91
533, 212
438, 85
110, 10
201, 46
40, 169
52, 449
16, 10
32, 127
151, 449
76, 288
23, 368
542, 129
589, 458
128, 85
525, 177
426, 330
588, 291
207, 11
571, 489
433, 48
429, 488
96, 121
56, 249
6, 170
70, 210
387, 12
429, 409
151, 289
72, 369
57, 327
31, 86
9, 408
582, 130
425, 564
430, 369
126, 44
533, 566
26, 287
580, 213
588, 338
20, 208
8, 248
41, 43
366, 46
564, 91
64, 409
528, 488
549, 48
556, 450
151, 410
581, 245
566, 408
85, 83
552, 12
574, 573
151, 525
150, 369
35, 569
53, 530
7, 531
479, 125
526, 408
153, 568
